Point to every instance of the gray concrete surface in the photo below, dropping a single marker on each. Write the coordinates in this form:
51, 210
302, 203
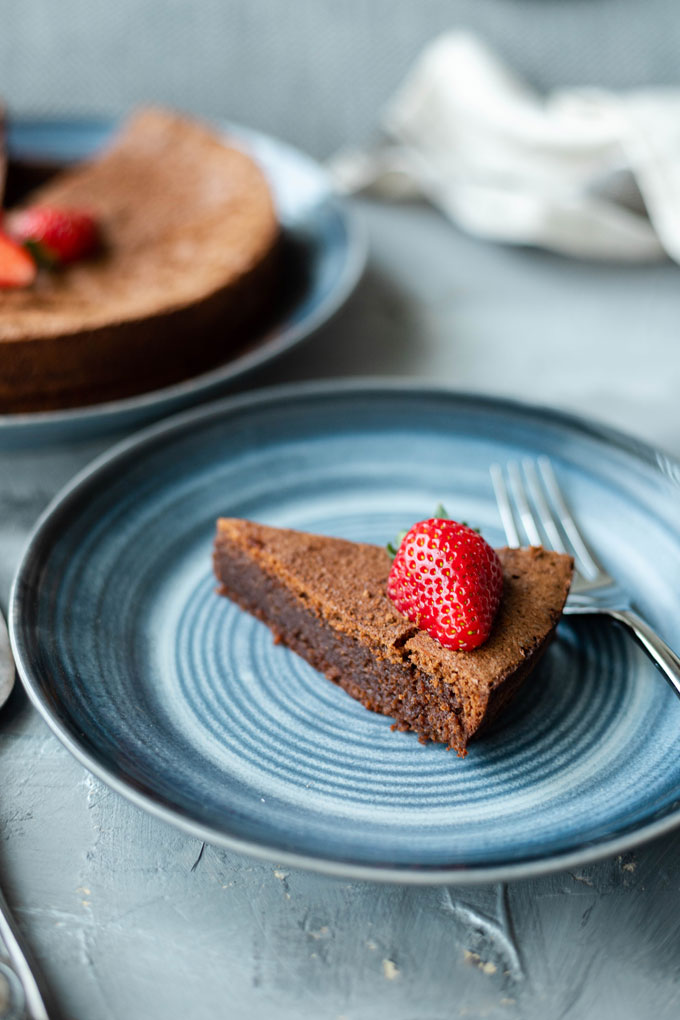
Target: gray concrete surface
131, 922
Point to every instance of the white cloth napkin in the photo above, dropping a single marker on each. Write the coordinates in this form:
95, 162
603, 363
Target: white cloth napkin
584, 172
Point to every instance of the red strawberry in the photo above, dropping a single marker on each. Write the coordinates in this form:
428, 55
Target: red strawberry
448, 581
54, 236
17, 268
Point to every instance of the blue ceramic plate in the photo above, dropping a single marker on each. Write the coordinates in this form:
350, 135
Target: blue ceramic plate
181, 702
326, 251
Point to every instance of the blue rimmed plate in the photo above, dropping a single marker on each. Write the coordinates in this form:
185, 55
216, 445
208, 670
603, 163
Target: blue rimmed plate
326, 253
181, 702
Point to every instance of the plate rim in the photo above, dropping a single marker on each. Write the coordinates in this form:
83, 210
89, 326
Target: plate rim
164, 431
205, 385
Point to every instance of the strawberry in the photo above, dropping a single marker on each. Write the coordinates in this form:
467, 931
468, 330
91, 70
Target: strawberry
448, 581
54, 236
17, 268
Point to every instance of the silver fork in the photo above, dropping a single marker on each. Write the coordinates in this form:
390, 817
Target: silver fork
532, 500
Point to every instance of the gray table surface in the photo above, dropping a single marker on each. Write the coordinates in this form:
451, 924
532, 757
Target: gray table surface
131, 919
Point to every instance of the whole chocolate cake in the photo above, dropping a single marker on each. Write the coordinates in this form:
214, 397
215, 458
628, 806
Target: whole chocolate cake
189, 262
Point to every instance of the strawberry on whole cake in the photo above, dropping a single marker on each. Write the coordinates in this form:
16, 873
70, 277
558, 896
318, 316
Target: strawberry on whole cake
439, 638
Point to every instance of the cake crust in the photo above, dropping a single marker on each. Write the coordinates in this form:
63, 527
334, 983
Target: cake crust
189, 262
326, 599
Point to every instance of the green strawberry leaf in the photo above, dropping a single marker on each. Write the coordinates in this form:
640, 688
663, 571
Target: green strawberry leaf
42, 255
393, 547
440, 513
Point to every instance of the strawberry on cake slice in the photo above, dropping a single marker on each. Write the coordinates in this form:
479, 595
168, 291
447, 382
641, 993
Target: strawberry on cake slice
438, 639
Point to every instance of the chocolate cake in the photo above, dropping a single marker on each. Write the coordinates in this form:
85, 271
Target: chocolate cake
326, 599
188, 266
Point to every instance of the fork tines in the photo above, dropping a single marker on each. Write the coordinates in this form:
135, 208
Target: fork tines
530, 501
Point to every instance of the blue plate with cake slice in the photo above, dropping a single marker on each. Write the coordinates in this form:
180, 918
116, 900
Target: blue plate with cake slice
179, 699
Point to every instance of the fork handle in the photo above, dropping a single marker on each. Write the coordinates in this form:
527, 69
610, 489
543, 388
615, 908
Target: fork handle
19, 972
663, 657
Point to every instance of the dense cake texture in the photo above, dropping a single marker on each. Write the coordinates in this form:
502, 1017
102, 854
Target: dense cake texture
326, 599
187, 268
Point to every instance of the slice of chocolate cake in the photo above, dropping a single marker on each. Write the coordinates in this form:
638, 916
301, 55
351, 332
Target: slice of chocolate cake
326, 599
